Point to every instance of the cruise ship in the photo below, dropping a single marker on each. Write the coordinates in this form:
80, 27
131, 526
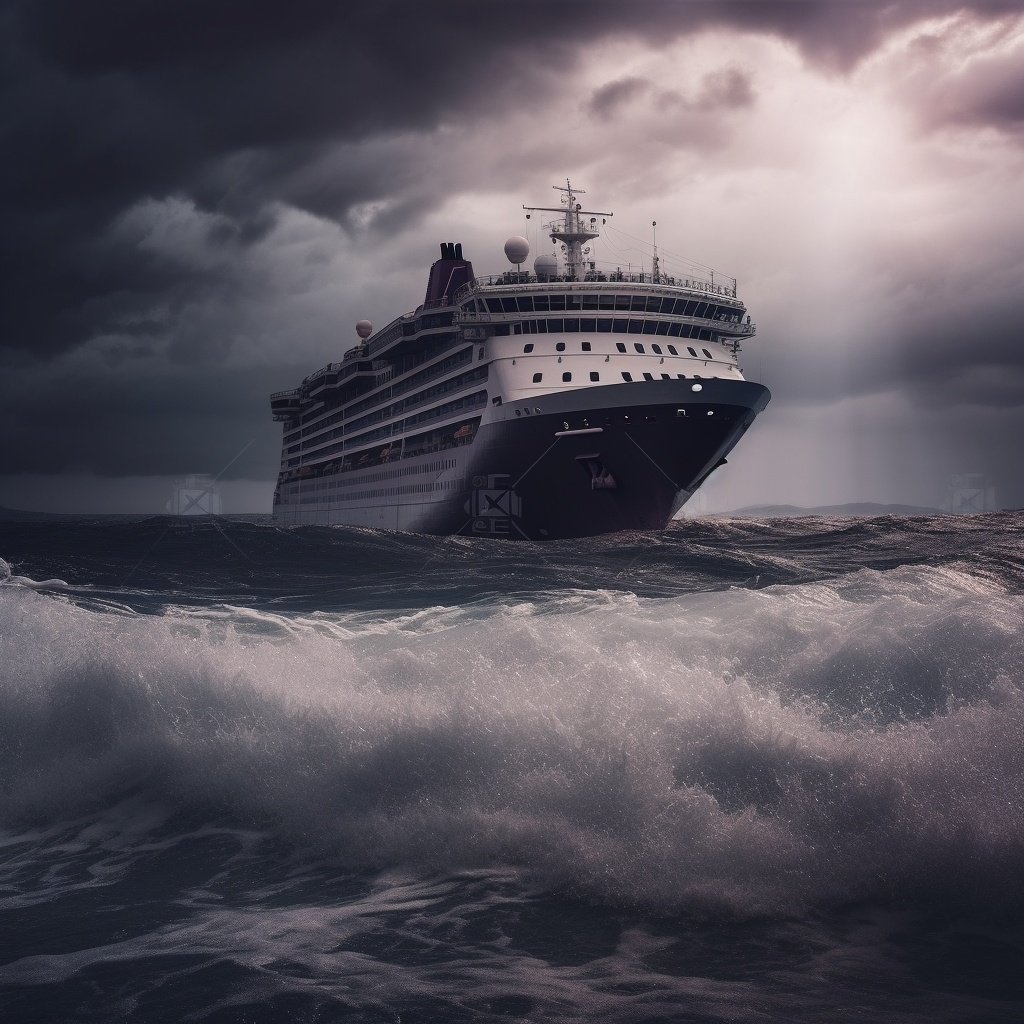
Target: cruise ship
562, 401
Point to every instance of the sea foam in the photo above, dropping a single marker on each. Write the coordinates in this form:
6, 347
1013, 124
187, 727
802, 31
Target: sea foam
744, 752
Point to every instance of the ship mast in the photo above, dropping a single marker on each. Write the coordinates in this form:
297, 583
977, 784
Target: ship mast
573, 231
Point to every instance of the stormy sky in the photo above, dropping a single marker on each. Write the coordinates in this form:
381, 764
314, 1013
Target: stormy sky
201, 197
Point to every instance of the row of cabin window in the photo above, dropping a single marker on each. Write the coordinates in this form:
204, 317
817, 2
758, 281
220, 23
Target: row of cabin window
587, 325
621, 347
630, 303
538, 378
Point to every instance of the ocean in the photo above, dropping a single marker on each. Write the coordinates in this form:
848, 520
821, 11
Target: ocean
741, 770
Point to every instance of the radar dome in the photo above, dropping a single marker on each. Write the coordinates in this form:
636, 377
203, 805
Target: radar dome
364, 329
517, 249
545, 267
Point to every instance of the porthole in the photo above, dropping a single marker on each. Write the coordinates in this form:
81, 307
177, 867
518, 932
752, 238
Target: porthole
594, 375
566, 377
627, 376
620, 346
672, 349
707, 353
638, 347
692, 351
528, 348
560, 347
711, 412
538, 377
585, 346
648, 376
518, 412
697, 387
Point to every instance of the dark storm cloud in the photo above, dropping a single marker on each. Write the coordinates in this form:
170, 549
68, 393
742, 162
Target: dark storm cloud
233, 108
108, 102
984, 92
607, 99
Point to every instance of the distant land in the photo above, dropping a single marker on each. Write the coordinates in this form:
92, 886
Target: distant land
854, 508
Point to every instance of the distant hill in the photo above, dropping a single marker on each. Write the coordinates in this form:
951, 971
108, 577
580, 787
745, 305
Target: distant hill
855, 508
17, 513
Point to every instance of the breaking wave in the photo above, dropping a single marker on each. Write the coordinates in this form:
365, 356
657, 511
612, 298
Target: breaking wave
738, 770
745, 752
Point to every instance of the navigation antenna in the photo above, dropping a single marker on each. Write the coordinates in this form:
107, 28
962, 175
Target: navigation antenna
655, 270
574, 230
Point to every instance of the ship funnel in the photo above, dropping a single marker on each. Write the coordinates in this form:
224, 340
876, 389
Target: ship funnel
447, 275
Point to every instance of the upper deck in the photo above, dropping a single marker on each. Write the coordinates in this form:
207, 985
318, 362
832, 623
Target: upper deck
566, 296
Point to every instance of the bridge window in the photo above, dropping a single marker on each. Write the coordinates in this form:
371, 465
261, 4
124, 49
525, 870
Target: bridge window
509, 305
627, 376
654, 304
621, 326
604, 326
572, 324
494, 306
606, 302
557, 302
540, 303
525, 304
594, 375
538, 377
566, 377
589, 325
572, 302
639, 304
554, 327
590, 301
675, 329
622, 302
650, 327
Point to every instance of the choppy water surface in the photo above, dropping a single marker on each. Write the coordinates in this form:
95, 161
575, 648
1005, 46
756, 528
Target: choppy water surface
738, 771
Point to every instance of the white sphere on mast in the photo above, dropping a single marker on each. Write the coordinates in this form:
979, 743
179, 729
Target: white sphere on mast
364, 329
517, 249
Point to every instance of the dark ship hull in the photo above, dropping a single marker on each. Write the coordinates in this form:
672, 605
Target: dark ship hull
596, 460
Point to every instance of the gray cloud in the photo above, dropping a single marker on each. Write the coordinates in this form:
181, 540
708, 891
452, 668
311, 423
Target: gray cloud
728, 88
155, 151
607, 99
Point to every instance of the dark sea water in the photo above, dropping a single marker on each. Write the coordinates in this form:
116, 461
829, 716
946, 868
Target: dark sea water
739, 771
